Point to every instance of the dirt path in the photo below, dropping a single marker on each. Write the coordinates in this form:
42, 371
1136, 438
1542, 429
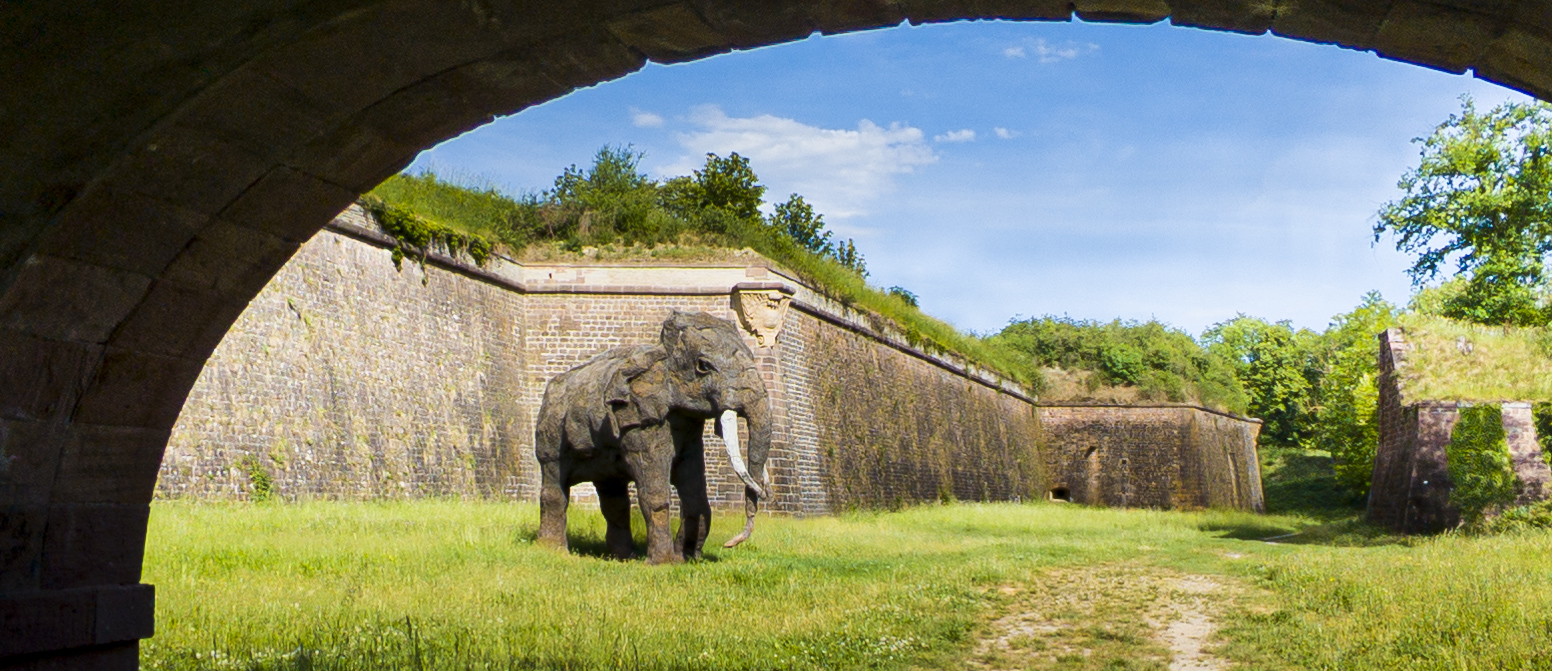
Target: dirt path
1105, 617
1188, 631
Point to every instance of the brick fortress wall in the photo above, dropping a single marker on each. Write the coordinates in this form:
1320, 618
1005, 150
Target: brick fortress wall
349, 379
1410, 487
1167, 456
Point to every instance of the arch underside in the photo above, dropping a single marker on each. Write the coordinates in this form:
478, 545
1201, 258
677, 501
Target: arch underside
163, 161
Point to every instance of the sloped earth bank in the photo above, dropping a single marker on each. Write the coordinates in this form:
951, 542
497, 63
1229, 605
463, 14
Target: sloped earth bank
1106, 617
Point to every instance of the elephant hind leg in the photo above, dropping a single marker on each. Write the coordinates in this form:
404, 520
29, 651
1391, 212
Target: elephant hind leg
554, 498
614, 502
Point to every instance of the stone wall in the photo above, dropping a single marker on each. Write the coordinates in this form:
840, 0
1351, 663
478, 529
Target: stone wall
349, 378
1410, 487
1166, 456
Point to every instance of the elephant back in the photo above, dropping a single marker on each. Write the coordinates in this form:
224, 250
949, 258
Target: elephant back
588, 406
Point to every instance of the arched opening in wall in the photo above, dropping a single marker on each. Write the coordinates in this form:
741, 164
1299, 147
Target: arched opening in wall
152, 200
1059, 494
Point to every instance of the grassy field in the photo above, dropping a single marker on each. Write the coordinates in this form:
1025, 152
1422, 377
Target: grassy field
457, 585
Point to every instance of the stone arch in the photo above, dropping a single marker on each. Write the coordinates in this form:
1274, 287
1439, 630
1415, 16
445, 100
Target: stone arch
162, 162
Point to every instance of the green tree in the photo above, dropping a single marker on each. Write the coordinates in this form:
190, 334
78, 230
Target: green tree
1279, 369
610, 200
1164, 364
797, 219
1346, 413
846, 253
729, 184
1481, 198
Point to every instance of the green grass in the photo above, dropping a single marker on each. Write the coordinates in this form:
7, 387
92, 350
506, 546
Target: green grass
1456, 361
443, 585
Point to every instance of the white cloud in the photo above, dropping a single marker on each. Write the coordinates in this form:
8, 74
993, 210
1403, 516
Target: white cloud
840, 171
645, 119
1045, 52
964, 135
1005, 133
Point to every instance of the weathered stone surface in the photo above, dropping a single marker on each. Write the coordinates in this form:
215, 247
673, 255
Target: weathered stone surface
93, 231
1435, 36
45, 376
60, 299
347, 378
109, 464
1410, 488
311, 201
669, 34
90, 544
1172, 457
137, 389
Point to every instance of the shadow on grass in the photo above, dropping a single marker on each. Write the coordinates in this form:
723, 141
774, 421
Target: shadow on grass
585, 541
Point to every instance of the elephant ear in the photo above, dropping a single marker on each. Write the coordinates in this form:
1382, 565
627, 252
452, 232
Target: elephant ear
637, 393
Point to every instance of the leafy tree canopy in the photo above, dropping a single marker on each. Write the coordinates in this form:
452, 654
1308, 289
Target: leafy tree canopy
1481, 199
1278, 368
1165, 364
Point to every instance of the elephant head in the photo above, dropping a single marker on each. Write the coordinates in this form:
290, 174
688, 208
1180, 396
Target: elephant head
712, 374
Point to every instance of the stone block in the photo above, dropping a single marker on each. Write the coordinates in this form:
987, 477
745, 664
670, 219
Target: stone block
584, 58
21, 547
1121, 11
109, 464
365, 56
126, 613
289, 204
43, 377
669, 34
230, 260
29, 458
60, 299
939, 11
120, 230
190, 167
45, 621
844, 16
756, 23
1518, 59
179, 321
354, 156
259, 114
137, 389
1241, 16
94, 545
1433, 36
1350, 23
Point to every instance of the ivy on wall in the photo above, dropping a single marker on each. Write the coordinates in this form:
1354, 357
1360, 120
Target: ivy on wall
417, 236
1478, 461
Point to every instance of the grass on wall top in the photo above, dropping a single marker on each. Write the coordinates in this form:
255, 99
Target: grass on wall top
524, 230
1456, 361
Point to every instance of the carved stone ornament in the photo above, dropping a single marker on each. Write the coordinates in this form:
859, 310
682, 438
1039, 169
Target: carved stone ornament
762, 309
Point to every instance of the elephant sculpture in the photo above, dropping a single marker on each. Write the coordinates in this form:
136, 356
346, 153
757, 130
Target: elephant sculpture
637, 414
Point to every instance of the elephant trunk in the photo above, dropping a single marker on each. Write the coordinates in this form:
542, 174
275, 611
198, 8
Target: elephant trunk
756, 479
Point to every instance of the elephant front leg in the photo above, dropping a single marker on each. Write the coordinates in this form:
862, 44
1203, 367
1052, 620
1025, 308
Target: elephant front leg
614, 503
649, 453
553, 501
690, 479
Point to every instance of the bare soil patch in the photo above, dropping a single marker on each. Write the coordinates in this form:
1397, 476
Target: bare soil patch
1105, 617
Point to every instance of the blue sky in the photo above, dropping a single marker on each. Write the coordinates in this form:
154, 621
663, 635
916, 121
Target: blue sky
1021, 169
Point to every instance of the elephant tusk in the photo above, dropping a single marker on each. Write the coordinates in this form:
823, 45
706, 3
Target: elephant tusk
730, 439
